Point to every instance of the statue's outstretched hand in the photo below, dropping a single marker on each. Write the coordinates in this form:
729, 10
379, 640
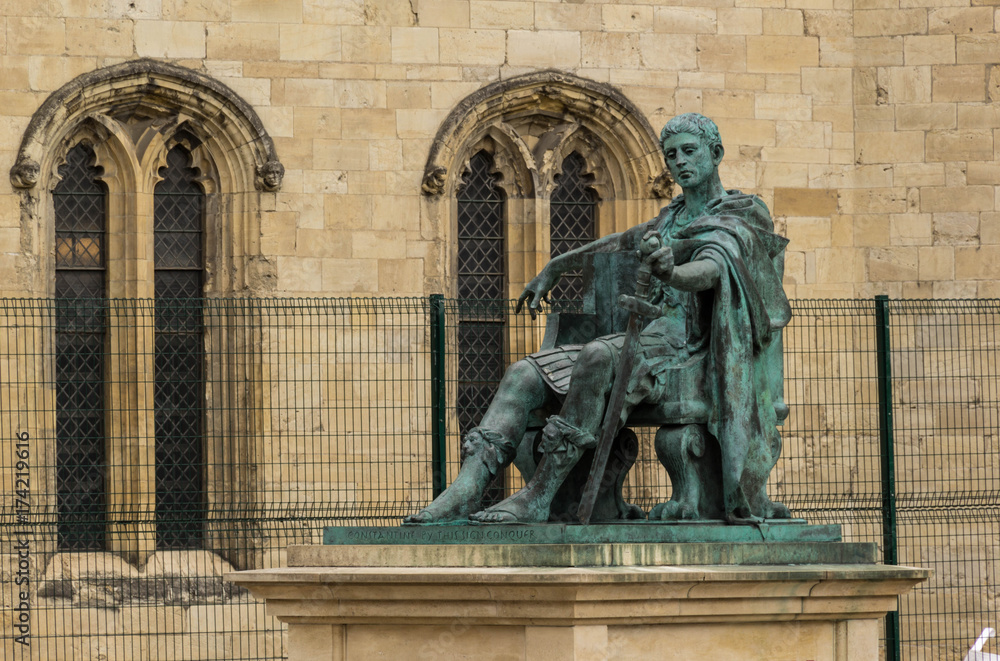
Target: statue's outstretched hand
536, 292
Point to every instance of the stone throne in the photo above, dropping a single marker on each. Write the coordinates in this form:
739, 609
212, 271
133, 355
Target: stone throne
685, 447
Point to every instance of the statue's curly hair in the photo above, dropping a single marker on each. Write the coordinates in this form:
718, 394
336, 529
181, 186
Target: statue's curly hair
693, 123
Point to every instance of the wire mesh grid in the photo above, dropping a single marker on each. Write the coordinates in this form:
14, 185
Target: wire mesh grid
319, 411
309, 412
947, 455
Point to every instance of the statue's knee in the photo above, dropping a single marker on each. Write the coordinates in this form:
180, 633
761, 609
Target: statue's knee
521, 374
595, 356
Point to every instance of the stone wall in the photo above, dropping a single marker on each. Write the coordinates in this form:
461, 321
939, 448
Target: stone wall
868, 128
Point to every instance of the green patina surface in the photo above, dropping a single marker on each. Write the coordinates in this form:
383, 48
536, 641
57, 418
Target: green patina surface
787, 530
557, 545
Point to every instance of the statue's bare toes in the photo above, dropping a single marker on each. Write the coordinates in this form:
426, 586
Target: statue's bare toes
493, 516
671, 511
423, 516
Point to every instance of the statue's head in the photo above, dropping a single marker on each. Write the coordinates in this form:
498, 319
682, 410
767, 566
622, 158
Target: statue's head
692, 150
695, 124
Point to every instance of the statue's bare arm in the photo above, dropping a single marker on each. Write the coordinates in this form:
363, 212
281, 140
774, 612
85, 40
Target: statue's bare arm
540, 286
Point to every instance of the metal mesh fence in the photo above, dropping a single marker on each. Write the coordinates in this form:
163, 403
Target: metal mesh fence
306, 413
320, 411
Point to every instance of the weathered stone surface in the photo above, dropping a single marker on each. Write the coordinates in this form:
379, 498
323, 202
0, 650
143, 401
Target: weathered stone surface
484, 611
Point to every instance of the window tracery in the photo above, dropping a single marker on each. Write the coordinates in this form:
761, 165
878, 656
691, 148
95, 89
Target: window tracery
530, 124
167, 148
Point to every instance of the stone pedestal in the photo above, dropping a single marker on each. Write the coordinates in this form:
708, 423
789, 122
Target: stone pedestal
818, 612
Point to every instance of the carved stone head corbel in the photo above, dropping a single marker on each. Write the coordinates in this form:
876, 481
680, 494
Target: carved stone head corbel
24, 174
269, 176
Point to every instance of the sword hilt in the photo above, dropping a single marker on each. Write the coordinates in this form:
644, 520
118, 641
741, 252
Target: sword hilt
649, 244
637, 304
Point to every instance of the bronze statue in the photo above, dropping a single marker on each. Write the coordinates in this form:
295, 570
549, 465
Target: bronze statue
707, 367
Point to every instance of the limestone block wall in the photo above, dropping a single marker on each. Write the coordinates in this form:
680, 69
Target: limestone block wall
925, 93
868, 126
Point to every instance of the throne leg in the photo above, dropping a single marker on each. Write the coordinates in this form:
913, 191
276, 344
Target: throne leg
693, 461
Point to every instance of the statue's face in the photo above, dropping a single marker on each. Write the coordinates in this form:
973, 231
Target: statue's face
690, 160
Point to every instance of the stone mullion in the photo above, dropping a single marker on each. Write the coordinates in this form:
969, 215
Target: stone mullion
527, 250
129, 384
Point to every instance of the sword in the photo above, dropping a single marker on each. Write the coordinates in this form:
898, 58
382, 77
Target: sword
638, 308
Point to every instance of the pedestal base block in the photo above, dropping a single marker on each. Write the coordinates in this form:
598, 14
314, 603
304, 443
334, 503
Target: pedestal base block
537, 613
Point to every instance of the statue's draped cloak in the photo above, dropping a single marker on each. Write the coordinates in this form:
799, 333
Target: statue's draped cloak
737, 323
748, 310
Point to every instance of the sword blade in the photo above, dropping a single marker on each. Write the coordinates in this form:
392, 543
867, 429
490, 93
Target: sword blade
610, 426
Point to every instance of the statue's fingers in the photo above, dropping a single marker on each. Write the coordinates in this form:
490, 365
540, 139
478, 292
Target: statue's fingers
660, 252
521, 299
535, 304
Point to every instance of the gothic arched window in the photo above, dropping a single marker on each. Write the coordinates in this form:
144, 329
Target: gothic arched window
178, 220
182, 163
482, 286
572, 222
539, 161
80, 206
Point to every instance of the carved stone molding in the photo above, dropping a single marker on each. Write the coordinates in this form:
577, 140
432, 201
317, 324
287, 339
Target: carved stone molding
543, 110
24, 174
662, 185
145, 89
434, 180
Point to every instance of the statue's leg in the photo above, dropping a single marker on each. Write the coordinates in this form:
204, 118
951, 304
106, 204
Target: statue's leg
490, 447
562, 446
564, 440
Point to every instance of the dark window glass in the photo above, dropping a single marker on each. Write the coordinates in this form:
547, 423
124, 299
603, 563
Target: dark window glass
179, 210
481, 262
80, 203
482, 288
572, 221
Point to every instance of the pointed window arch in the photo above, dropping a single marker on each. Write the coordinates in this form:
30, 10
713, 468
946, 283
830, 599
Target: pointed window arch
530, 125
572, 221
179, 391
79, 203
184, 164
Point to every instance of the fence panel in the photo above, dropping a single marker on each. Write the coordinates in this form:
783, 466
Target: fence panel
947, 454
320, 411
298, 414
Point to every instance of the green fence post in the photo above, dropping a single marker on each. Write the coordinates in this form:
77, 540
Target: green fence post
439, 449
883, 352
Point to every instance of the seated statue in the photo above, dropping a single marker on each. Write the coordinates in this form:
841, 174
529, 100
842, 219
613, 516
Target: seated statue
707, 371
